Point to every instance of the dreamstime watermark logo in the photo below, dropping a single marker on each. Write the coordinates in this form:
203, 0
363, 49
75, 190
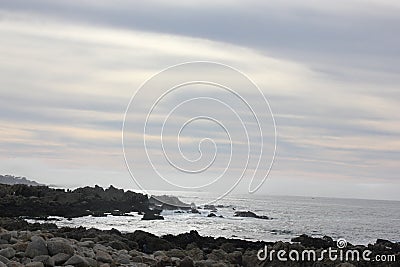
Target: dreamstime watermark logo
199, 126
340, 254
341, 243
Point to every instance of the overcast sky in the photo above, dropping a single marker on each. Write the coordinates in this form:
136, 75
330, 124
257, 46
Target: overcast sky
329, 70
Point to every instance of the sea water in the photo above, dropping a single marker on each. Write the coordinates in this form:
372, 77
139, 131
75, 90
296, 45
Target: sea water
357, 221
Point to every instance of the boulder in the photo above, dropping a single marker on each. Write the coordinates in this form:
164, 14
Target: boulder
103, 256
5, 236
87, 244
123, 259
178, 253
7, 252
91, 262
4, 259
149, 243
78, 261
235, 258
36, 248
14, 264
196, 254
45, 259
59, 246
249, 259
34, 264
205, 263
186, 262
217, 255
60, 258
20, 246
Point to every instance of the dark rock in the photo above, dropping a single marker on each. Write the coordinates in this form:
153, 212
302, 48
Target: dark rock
4, 259
7, 252
186, 262
177, 253
5, 236
228, 247
14, 264
149, 243
196, 254
103, 256
78, 261
60, 258
36, 248
211, 215
195, 211
119, 245
210, 207
59, 246
42, 201
45, 259
123, 259
250, 214
217, 255
34, 264
314, 242
152, 216
235, 258
249, 259
91, 262
168, 203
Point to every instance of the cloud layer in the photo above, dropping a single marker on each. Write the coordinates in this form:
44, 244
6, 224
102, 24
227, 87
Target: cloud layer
330, 73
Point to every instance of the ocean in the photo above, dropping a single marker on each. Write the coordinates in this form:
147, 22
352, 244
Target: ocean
357, 221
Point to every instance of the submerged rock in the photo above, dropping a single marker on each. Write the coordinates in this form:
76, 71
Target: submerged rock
250, 214
152, 216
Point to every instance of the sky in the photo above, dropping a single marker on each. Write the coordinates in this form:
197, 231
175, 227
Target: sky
328, 70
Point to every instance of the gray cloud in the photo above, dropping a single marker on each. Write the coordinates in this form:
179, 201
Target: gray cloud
330, 75
360, 34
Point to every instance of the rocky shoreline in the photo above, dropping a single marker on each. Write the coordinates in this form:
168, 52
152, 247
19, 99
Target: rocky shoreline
38, 245
46, 244
42, 202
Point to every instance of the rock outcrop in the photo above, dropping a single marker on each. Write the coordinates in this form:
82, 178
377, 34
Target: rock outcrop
42, 201
250, 214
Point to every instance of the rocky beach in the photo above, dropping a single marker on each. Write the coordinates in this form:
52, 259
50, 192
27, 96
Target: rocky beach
38, 245
46, 244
